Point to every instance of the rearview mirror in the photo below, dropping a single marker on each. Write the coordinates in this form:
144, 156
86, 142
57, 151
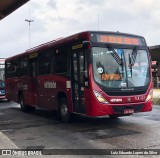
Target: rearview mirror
86, 44
88, 55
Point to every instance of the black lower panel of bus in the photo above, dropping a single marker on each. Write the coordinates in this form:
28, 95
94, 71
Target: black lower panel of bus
120, 109
118, 92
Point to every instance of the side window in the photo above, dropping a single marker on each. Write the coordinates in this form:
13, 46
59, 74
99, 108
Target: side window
61, 61
33, 67
24, 67
45, 62
12, 68
9, 69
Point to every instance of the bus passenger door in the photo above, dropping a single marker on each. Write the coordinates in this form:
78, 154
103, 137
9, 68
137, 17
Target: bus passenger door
78, 69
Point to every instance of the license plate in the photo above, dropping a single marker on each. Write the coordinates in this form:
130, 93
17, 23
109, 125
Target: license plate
128, 111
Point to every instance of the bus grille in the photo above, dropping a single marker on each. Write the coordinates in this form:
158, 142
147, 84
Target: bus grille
120, 93
120, 109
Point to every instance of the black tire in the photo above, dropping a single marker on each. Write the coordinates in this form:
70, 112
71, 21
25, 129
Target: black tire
63, 111
24, 107
114, 117
117, 116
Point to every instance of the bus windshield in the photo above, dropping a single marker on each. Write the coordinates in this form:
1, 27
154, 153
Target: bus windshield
120, 68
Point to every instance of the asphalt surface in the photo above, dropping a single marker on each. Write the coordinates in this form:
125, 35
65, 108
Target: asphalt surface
42, 130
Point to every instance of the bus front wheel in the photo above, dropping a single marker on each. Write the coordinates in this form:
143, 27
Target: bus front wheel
23, 106
63, 111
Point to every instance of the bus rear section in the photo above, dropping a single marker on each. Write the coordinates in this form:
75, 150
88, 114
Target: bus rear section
90, 73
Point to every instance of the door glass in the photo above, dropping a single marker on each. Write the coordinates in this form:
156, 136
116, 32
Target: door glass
75, 69
78, 81
81, 76
34, 69
81, 65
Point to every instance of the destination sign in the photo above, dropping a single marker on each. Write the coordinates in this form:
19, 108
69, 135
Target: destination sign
110, 77
119, 39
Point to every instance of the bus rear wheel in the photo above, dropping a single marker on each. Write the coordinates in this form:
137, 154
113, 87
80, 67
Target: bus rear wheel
63, 111
24, 107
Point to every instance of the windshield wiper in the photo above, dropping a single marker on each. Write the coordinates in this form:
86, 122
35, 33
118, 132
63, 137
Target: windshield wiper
130, 64
114, 54
133, 56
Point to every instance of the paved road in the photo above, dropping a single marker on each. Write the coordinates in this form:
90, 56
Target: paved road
42, 130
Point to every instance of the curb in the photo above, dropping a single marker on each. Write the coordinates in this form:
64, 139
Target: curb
6, 143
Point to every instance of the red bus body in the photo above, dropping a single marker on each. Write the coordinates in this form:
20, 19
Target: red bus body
76, 81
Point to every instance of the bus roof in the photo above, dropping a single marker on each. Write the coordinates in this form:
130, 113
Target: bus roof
62, 40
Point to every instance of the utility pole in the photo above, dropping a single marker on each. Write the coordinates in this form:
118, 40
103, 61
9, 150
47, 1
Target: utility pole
98, 21
29, 22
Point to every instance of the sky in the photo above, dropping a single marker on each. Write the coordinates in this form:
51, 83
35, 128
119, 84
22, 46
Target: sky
54, 19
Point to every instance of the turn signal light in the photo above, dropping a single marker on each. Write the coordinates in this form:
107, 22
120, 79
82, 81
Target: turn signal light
150, 95
99, 97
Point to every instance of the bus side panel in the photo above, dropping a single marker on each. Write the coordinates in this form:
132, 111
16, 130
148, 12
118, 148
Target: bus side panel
64, 88
87, 101
46, 92
11, 89
50, 89
26, 86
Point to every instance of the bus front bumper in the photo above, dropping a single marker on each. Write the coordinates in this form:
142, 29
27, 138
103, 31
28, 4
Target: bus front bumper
122, 109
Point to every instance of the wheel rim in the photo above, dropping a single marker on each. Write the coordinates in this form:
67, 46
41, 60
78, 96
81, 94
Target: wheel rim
64, 110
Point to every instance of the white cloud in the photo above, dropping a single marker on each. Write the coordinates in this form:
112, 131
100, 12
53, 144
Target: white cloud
60, 18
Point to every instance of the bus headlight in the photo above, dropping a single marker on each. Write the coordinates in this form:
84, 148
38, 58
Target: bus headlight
99, 97
150, 95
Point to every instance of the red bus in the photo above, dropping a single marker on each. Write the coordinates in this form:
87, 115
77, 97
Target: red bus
90, 73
